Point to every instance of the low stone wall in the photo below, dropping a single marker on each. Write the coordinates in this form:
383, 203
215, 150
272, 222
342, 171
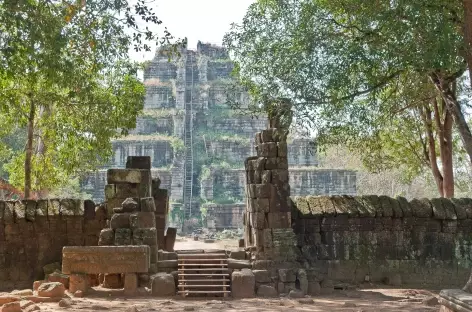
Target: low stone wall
32, 234
423, 242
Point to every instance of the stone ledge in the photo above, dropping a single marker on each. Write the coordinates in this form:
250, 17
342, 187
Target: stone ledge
455, 300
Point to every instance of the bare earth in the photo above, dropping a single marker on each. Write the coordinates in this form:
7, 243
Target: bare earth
356, 301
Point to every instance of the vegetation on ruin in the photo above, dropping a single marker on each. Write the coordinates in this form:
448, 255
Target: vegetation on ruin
163, 113
384, 78
66, 79
176, 143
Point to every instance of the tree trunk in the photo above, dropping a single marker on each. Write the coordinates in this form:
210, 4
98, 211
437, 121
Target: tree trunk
444, 122
467, 30
433, 162
449, 96
29, 150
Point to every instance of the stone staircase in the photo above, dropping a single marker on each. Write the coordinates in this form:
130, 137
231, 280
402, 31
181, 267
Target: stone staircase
203, 275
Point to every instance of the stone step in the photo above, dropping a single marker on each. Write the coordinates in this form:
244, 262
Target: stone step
202, 286
205, 259
203, 269
203, 264
197, 280
183, 292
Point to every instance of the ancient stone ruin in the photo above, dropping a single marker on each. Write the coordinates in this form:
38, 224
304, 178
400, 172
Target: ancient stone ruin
197, 143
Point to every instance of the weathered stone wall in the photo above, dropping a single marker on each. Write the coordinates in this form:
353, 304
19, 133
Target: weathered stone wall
420, 243
161, 152
322, 181
150, 125
94, 183
32, 234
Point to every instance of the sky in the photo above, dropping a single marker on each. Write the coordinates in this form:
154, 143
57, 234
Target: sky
204, 20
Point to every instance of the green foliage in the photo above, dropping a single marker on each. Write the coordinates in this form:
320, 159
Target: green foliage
66, 65
356, 71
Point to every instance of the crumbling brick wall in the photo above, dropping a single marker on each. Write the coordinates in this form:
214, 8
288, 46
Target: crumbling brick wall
424, 242
32, 234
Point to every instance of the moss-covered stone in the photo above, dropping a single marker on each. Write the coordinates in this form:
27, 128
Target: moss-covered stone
422, 208
315, 206
364, 209
302, 206
327, 205
405, 206
343, 206
438, 209
372, 203
449, 209
386, 206
461, 208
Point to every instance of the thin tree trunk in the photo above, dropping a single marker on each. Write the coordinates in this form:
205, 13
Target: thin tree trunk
444, 129
29, 150
449, 96
467, 30
433, 162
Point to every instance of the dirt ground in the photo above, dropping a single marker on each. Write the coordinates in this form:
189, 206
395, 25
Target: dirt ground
366, 300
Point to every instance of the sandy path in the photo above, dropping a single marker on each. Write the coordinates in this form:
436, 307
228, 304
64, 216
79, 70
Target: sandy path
367, 300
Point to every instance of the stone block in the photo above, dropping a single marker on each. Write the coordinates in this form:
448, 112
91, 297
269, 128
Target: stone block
166, 264
261, 190
51, 290
8, 213
123, 237
78, 282
271, 163
450, 210
147, 204
161, 221
162, 285
239, 264
130, 283
386, 206
145, 236
110, 191
421, 208
138, 162
258, 205
243, 284
14, 306
279, 220
267, 149
279, 200
281, 149
140, 220
258, 220
287, 275
19, 209
170, 237
30, 213
266, 136
257, 138
161, 200
266, 176
130, 205
463, 207
107, 237
120, 221
279, 176
71, 207
105, 259
59, 277
262, 276
238, 254
117, 176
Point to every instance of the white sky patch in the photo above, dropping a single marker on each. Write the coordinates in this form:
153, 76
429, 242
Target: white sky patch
204, 20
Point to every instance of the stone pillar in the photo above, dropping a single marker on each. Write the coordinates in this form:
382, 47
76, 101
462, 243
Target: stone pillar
267, 219
138, 209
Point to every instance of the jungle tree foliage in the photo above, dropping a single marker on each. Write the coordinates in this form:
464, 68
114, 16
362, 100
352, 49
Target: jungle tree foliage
65, 77
378, 76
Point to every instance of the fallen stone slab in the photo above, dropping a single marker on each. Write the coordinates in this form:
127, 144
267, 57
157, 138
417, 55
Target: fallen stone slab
39, 299
105, 259
239, 264
51, 289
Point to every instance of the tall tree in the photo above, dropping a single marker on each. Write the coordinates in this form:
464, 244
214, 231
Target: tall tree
65, 78
342, 62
